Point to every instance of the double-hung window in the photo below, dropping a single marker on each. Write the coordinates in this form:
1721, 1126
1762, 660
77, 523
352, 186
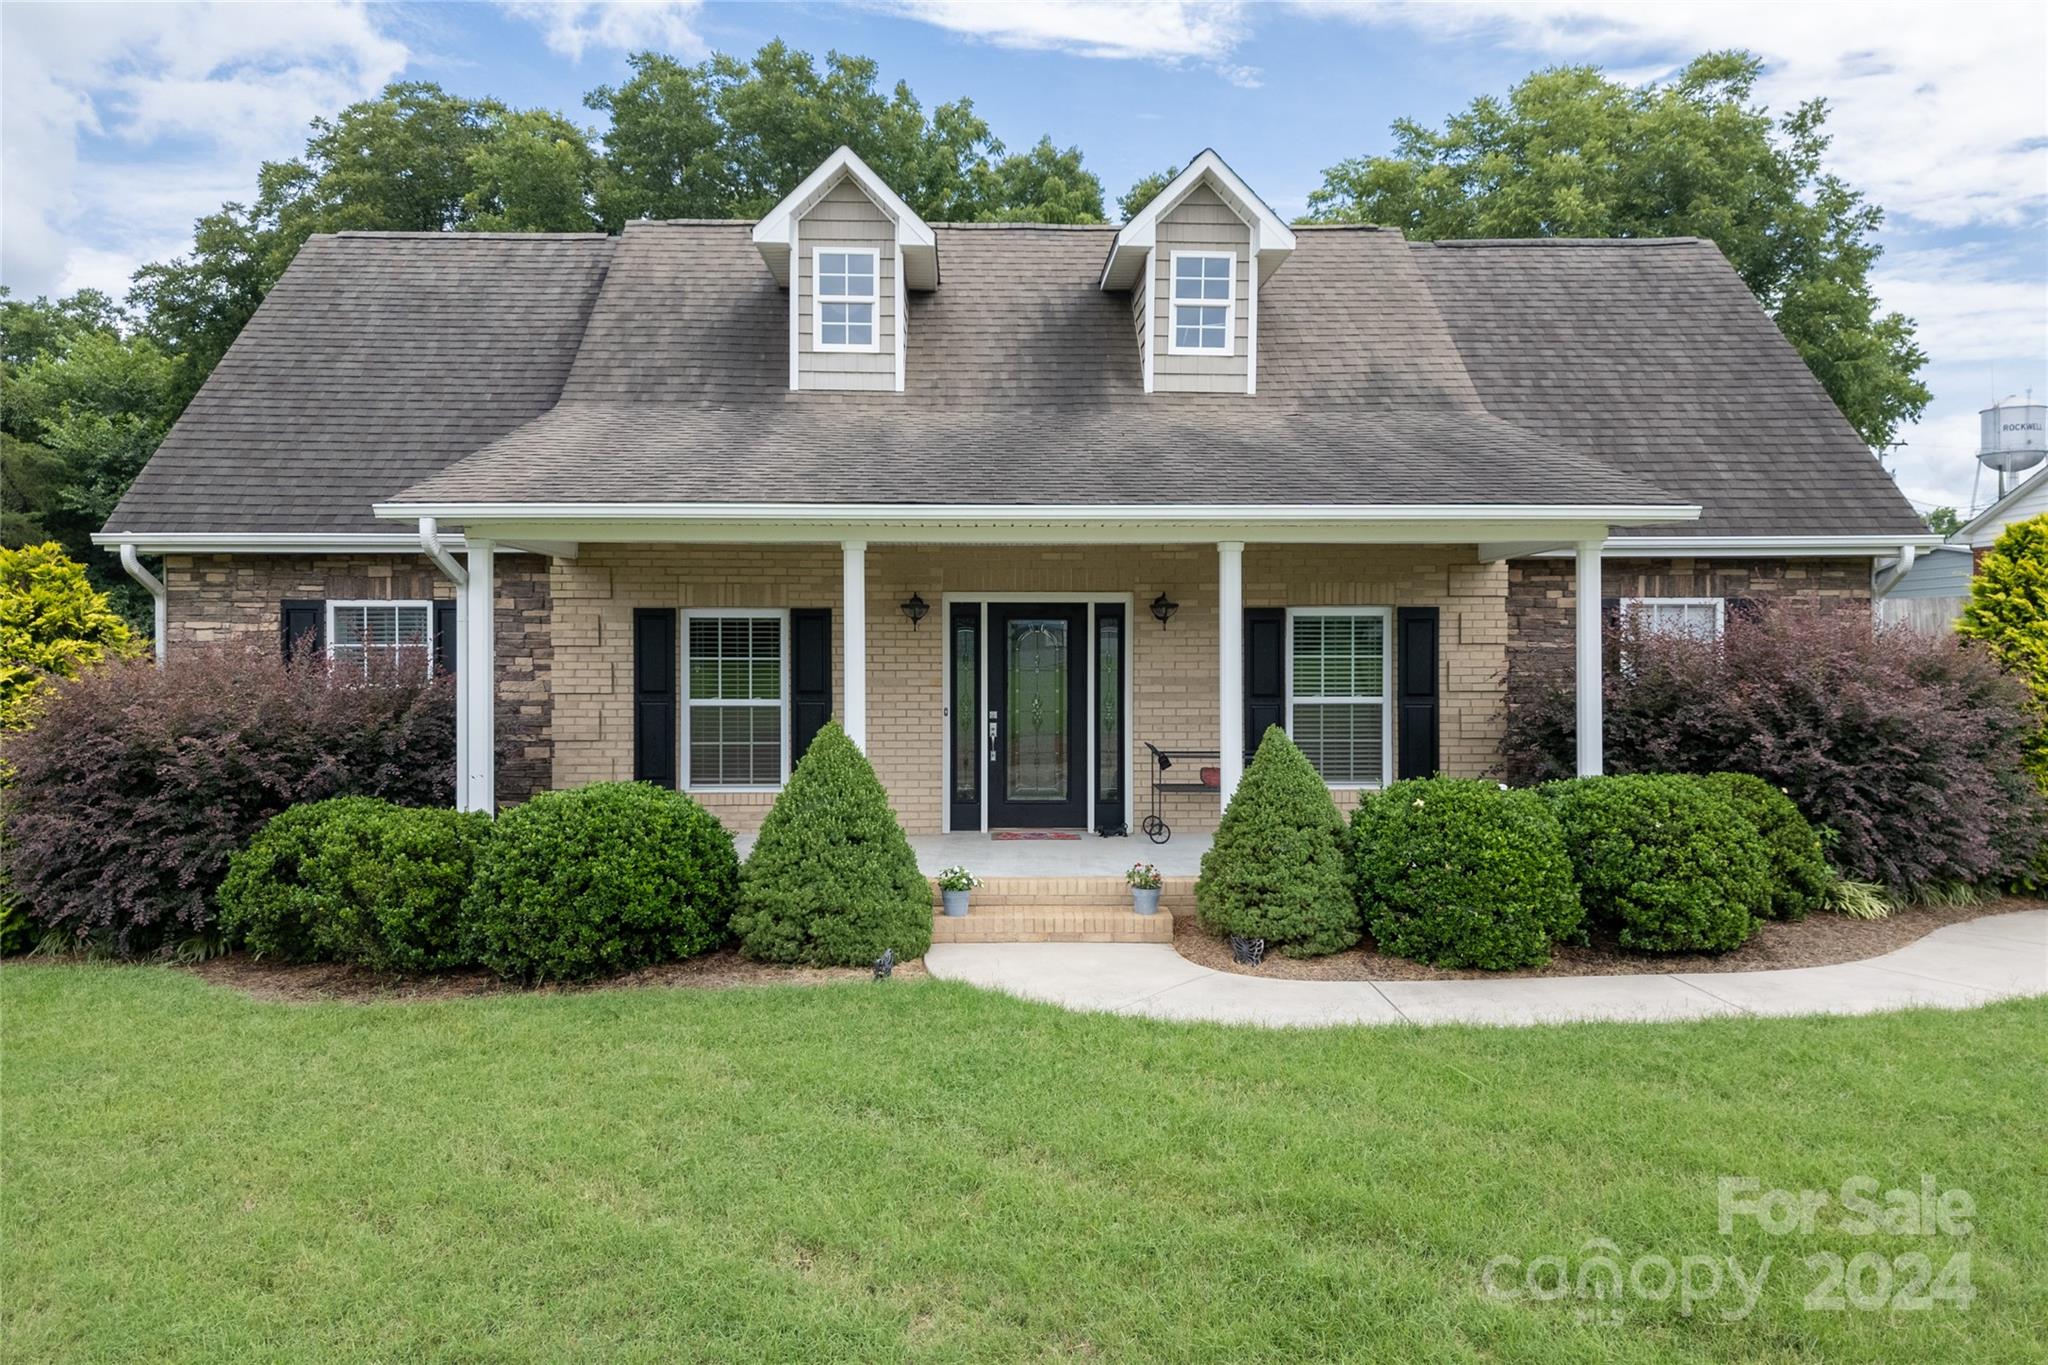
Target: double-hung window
1699, 617
1204, 303
1338, 692
736, 716
845, 296
391, 632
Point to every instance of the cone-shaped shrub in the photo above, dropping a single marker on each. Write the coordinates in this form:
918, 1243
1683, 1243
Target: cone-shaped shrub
1665, 861
832, 880
1460, 873
1280, 867
600, 880
1800, 875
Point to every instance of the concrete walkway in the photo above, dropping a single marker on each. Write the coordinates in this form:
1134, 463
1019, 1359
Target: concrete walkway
1956, 966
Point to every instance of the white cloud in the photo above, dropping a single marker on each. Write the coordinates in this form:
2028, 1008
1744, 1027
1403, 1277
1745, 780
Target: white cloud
1149, 30
176, 105
1968, 307
1935, 109
572, 27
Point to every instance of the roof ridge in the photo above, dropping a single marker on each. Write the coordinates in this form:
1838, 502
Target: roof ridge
1462, 242
1344, 227
1054, 227
451, 235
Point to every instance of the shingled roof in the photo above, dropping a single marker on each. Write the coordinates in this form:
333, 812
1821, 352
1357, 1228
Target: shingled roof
1654, 357
653, 367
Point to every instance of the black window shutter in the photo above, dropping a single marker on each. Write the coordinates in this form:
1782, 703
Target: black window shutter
655, 698
1416, 692
444, 637
810, 677
1265, 674
302, 625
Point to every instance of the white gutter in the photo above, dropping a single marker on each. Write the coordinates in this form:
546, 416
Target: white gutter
430, 545
1889, 578
955, 513
265, 542
155, 586
1768, 546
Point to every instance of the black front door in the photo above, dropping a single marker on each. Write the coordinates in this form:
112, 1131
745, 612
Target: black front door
1037, 704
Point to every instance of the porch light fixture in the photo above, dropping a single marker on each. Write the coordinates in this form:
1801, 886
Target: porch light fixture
915, 609
1163, 609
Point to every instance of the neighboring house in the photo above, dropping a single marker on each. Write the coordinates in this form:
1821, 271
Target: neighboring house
1928, 589
2028, 500
1010, 500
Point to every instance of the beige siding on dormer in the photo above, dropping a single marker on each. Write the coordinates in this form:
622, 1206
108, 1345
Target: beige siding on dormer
1200, 222
846, 217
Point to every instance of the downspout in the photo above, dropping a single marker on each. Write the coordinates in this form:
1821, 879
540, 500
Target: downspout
431, 546
1887, 579
155, 586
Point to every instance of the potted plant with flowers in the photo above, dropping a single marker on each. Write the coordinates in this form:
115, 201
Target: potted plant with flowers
954, 884
1145, 882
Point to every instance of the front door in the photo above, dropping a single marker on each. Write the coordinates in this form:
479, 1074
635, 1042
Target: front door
1037, 707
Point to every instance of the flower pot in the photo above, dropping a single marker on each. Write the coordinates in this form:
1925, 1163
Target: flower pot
1145, 901
956, 902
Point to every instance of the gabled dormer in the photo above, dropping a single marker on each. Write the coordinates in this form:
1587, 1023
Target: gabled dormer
847, 248
1193, 260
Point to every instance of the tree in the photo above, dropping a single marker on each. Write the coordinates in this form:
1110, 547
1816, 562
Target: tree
1144, 192
1943, 521
2008, 611
536, 173
52, 625
1572, 153
1043, 185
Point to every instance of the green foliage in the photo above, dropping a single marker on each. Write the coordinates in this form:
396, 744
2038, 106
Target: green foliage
2008, 611
587, 883
17, 935
1280, 868
1857, 900
1573, 153
52, 625
832, 880
1799, 871
1665, 861
1043, 185
356, 880
1134, 199
1461, 873
1944, 521
537, 174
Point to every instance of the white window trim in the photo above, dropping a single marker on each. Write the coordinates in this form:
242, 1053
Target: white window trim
818, 300
688, 703
1386, 697
1631, 605
1173, 305
346, 604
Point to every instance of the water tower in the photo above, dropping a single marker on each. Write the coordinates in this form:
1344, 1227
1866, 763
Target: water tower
2014, 436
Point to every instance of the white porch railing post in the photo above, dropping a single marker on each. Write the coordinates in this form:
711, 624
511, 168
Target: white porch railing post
1230, 663
1592, 740
478, 680
854, 587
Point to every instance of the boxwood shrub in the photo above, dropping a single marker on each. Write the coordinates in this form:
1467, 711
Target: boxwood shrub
356, 880
1663, 860
1800, 875
579, 884
1280, 868
832, 880
1461, 873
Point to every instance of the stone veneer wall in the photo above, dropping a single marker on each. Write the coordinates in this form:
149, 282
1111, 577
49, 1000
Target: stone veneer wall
219, 597
1542, 601
1173, 670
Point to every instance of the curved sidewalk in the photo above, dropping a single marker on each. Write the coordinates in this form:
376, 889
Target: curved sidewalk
1954, 967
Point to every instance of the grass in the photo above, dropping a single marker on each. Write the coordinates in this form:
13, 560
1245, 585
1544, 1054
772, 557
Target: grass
920, 1170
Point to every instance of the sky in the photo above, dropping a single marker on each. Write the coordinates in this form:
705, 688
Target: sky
121, 124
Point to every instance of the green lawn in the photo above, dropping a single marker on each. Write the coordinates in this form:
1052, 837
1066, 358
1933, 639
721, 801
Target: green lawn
922, 1170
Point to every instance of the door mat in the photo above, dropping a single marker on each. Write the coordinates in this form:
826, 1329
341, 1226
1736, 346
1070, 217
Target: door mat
1033, 834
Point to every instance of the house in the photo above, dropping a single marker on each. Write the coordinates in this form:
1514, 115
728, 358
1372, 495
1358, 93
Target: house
2024, 502
1011, 501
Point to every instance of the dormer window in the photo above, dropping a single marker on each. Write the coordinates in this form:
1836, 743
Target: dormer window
846, 297
1204, 291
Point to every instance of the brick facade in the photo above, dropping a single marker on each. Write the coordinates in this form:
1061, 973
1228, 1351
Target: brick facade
1542, 601
220, 597
1173, 670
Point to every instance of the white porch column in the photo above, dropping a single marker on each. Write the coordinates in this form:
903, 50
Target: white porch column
1230, 663
479, 680
1592, 740
853, 576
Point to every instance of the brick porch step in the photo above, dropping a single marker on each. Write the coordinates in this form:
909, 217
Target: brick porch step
1061, 910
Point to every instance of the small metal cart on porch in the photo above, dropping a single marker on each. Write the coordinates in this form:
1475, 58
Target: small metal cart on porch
1200, 771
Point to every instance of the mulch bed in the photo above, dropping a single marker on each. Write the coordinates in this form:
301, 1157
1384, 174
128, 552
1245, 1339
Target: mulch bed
315, 982
1815, 941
